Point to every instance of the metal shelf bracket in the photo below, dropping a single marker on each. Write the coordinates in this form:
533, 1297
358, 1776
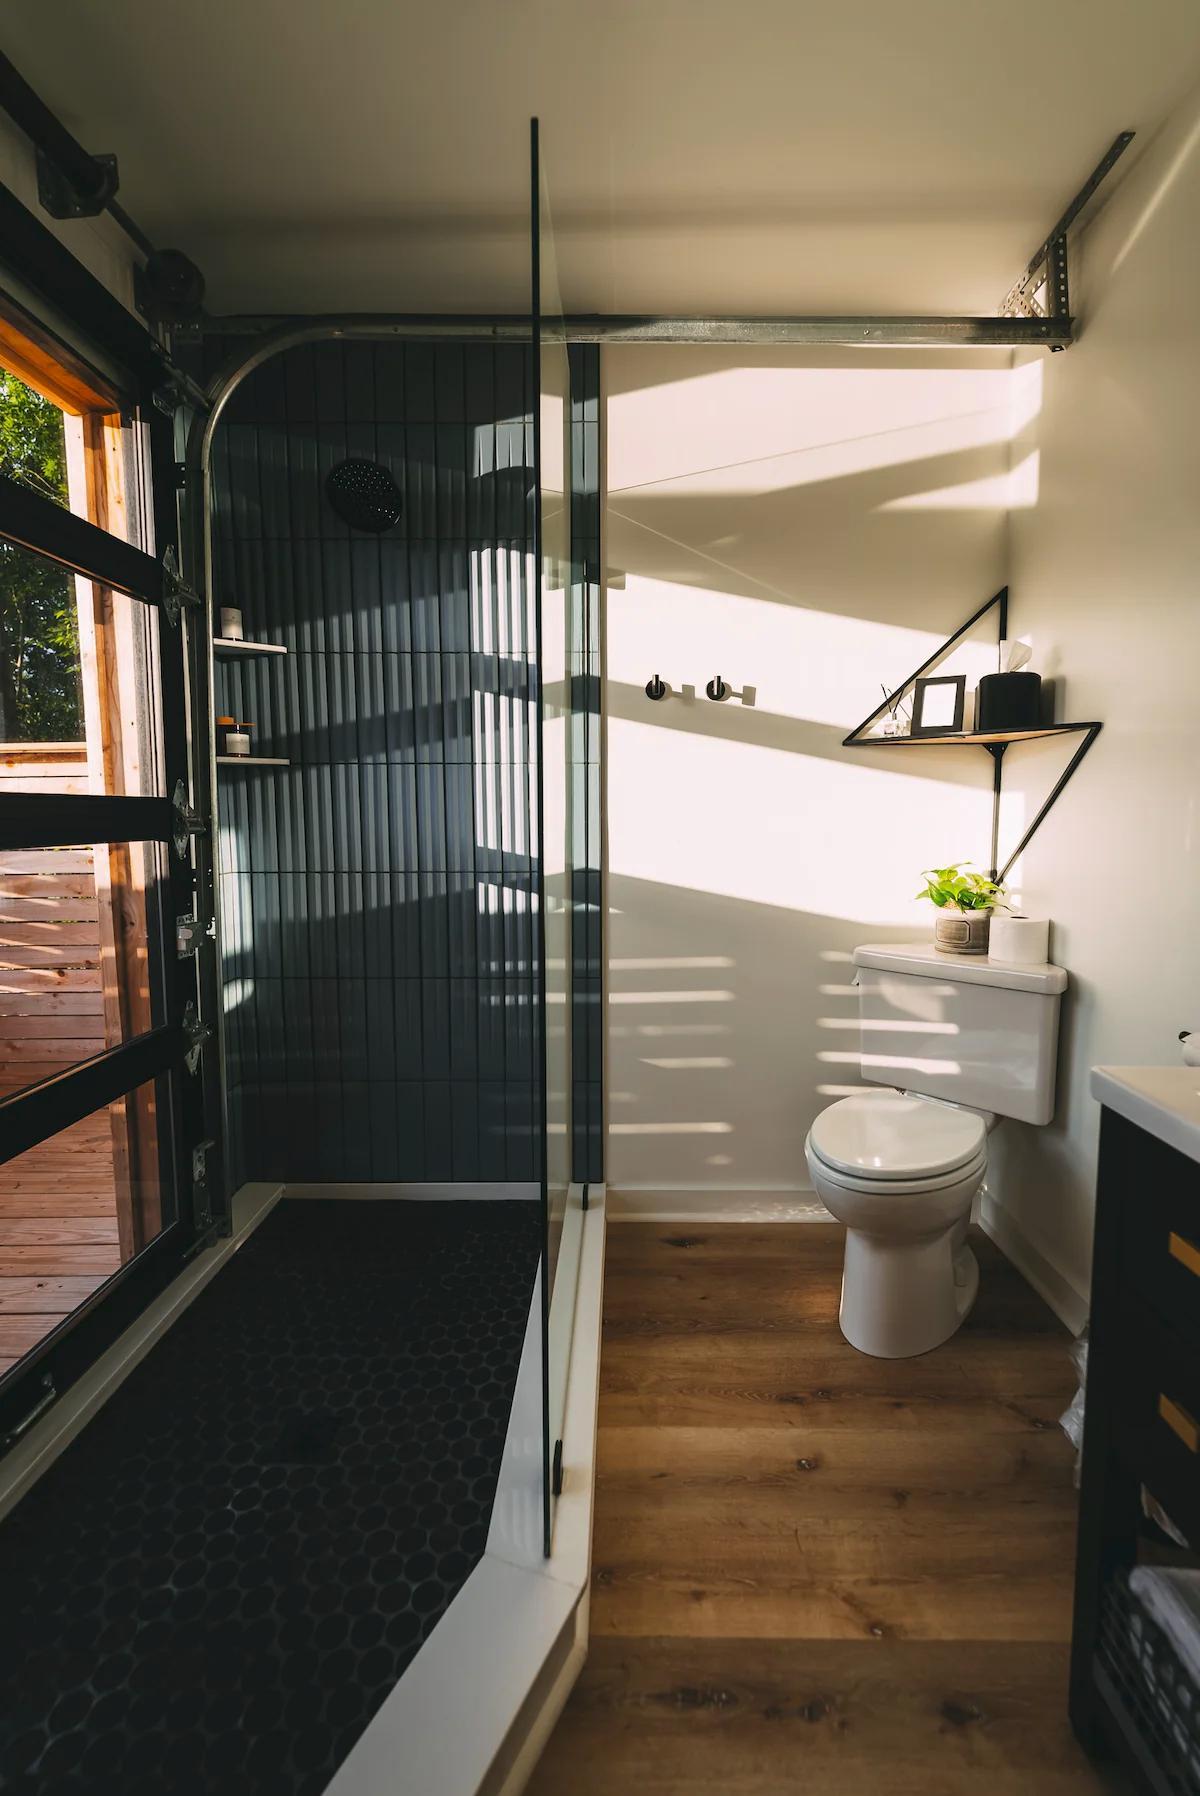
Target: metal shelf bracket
859, 737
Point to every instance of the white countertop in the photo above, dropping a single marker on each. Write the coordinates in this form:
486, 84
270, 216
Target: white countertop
1163, 1100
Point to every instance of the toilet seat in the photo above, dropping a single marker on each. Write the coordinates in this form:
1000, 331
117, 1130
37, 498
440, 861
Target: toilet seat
893, 1141
879, 1186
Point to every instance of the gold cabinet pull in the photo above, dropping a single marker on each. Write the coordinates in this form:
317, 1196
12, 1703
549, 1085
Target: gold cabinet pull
1185, 1251
1180, 1423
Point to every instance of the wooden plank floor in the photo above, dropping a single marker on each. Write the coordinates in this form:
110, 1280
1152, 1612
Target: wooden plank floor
812, 1569
58, 1231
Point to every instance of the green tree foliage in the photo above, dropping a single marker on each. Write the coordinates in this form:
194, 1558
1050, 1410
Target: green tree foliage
40, 697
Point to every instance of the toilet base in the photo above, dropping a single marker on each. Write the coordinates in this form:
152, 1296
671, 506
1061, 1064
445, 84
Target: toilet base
901, 1296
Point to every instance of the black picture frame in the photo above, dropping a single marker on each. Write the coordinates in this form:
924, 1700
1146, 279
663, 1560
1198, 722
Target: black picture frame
921, 690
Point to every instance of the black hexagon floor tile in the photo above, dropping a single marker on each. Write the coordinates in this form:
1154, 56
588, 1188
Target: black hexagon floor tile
214, 1588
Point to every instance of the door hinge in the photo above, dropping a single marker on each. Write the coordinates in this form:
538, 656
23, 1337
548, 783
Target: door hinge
176, 593
42, 1404
188, 822
190, 934
202, 1211
197, 1032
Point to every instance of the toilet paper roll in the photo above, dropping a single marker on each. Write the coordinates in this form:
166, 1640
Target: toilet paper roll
1023, 941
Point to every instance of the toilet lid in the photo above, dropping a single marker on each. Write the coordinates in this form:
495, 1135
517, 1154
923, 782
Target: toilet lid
896, 1137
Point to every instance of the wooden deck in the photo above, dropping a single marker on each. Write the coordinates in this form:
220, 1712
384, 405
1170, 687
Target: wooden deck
58, 1231
58, 1201
814, 1570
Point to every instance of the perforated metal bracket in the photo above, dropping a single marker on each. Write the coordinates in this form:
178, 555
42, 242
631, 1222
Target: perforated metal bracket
188, 821
176, 593
1043, 291
197, 1032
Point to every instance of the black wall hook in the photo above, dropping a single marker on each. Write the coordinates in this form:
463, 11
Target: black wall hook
656, 688
717, 688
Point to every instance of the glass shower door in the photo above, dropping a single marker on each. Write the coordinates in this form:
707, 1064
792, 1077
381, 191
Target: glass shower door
556, 787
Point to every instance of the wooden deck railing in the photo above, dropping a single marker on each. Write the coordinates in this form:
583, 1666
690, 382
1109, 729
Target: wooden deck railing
59, 1230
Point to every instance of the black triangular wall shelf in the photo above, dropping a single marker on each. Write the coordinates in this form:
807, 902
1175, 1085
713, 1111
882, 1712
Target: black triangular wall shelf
994, 741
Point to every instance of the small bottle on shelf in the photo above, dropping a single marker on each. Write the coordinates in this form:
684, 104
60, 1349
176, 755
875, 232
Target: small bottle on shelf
237, 740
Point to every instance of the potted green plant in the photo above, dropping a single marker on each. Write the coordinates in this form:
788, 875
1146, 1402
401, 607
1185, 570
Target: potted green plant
965, 901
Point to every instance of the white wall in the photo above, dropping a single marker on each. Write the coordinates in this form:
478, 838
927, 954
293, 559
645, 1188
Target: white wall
1106, 577
811, 524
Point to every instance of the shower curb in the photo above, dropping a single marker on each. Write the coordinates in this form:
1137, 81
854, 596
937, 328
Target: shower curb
477, 1704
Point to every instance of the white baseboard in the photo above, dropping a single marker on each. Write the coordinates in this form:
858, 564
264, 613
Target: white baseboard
1067, 1303
632, 1203
420, 1194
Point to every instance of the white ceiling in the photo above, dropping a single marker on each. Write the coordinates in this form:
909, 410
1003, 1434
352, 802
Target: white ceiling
704, 155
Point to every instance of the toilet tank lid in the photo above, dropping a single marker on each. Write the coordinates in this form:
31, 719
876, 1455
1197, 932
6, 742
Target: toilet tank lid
926, 962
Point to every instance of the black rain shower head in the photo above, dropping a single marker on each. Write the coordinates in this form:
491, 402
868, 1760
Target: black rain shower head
364, 495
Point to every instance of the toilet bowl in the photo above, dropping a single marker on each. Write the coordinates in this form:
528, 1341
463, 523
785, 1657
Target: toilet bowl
948, 1045
900, 1171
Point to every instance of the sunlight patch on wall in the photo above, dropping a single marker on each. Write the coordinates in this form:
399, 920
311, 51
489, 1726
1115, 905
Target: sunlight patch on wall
661, 962
671, 1128
695, 1063
763, 429
699, 997
802, 832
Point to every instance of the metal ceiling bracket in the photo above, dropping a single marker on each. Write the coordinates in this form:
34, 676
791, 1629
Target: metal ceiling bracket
176, 593
1043, 291
188, 822
62, 199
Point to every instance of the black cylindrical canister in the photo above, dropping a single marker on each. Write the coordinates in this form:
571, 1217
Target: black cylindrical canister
1008, 701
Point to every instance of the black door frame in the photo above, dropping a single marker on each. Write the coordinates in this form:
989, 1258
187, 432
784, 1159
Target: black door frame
70, 306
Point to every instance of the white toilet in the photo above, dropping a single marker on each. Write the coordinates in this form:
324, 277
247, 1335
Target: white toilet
962, 1042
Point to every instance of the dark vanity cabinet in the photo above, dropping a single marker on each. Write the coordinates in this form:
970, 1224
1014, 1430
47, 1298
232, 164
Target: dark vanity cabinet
1141, 1455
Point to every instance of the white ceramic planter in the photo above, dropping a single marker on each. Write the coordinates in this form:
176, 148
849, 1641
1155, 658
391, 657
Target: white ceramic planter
962, 931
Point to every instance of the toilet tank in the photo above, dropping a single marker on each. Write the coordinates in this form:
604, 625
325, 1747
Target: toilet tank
960, 1027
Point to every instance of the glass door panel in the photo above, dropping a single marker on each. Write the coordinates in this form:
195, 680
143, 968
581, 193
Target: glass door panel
104, 1125
75, 1208
558, 745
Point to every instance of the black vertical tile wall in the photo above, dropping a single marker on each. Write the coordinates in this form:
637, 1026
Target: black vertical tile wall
378, 915
378, 926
